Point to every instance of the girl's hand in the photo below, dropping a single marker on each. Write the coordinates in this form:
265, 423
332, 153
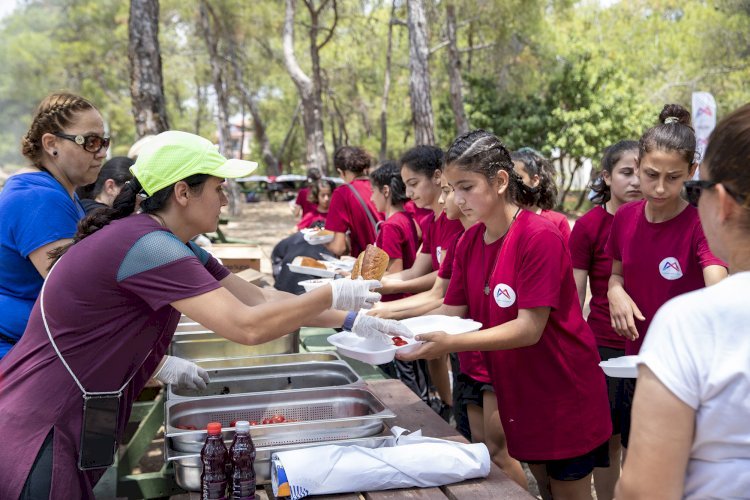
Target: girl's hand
386, 285
436, 344
381, 312
622, 311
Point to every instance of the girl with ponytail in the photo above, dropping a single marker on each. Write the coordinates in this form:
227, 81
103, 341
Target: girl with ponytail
538, 178
512, 273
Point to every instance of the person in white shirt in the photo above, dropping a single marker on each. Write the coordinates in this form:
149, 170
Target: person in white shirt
690, 434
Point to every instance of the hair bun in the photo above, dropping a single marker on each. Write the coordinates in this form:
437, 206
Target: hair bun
674, 113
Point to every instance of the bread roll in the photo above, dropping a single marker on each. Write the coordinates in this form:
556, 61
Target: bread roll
371, 264
323, 232
310, 262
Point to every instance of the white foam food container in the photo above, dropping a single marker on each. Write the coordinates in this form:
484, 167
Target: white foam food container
296, 267
452, 325
309, 285
373, 350
622, 367
311, 236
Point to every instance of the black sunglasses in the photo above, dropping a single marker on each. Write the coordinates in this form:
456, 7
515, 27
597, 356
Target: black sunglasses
92, 143
693, 190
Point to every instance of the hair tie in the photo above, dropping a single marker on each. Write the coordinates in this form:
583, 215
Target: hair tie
671, 119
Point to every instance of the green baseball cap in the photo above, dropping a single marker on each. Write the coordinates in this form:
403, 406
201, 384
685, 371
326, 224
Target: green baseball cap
173, 155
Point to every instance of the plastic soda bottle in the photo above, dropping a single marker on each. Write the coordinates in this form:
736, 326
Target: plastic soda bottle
242, 454
214, 457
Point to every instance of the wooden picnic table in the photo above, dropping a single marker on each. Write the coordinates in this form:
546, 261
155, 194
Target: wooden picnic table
413, 414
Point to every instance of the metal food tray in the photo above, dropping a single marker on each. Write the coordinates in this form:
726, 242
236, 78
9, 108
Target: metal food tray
327, 414
268, 359
205, 344
188, 467
284, 377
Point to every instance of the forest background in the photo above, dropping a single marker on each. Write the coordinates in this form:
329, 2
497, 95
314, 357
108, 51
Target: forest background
567, 78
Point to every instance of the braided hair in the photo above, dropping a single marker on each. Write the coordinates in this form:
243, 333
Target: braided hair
545, 193
55, 113
389, 174
482, 152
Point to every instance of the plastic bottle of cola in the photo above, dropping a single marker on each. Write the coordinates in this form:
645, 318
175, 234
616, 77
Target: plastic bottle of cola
242, 454
214, 457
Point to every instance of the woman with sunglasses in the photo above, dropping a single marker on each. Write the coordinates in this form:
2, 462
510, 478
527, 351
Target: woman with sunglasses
657, 245
111, 303
39, 208
690, 435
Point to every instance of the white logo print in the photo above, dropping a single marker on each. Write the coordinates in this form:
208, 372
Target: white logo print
504, 295
439, 254
670, 269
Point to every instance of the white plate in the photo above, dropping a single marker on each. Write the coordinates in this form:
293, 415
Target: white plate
345, 264
452, 325
622, 367
312, 238
368, 350
295, 267
309, 285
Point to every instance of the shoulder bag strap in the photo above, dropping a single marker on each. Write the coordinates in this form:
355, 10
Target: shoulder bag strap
365, 208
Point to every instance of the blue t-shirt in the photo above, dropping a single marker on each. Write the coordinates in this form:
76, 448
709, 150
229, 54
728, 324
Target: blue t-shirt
34, 210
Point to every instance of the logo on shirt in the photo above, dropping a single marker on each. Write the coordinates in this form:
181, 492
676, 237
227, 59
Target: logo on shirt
439, 254
504, 295
670, 269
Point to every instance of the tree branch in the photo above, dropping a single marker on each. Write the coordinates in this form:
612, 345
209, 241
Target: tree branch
333, 26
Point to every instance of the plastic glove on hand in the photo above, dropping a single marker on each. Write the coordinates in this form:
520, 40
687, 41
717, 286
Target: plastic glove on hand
352, 295
183, 373
369, 326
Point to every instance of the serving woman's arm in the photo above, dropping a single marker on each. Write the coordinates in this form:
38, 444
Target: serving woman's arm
42, 260
661, 436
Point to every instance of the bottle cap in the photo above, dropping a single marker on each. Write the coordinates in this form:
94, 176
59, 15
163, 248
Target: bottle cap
242, 426
213, 428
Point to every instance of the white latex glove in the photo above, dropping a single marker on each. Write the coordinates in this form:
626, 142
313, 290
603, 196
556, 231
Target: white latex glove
182, 373
370, 326
352, 295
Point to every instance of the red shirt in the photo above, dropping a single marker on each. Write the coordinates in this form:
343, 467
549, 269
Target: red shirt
423, 216
587, 242
302, 201
659, 260
439, 236
347, 214
560, 221
398, 238
311, 218
551, 395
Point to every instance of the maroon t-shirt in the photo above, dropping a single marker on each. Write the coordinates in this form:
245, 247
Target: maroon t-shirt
398, 238
347, 214
423, 216
560, 221
659, 260
306, 205
587, 242
311, 218
439, 236
107, 304
551, 395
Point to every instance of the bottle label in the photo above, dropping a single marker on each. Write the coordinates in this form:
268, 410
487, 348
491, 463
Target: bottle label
244, 489
215, 490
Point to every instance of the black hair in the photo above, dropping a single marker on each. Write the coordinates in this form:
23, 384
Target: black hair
674, 133
481, 152
313, 175
423, 159
389, 174
352, 159
612, 155
545, 193
312, 195
116, 168
124, 205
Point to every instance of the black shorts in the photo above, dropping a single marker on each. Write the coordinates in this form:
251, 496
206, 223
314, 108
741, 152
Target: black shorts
626, 389
470, 390
613, 389
573, 469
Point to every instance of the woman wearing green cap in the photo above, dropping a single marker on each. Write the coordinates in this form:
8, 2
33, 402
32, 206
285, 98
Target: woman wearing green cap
110, 306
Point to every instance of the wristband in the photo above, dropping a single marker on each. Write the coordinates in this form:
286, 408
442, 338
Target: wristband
349, 321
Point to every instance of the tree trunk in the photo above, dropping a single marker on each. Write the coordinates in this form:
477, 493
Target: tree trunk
386, 89
146, 82
309, 89
419, 83
454, 73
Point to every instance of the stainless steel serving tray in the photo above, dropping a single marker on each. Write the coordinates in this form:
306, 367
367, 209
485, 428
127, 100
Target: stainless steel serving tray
206, 344
283, 377
268, 359
187, 466
327, 414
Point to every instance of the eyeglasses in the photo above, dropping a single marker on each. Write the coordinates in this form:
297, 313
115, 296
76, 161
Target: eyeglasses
693, 190
92, 143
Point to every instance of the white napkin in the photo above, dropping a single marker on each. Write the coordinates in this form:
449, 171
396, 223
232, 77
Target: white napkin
413, 460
